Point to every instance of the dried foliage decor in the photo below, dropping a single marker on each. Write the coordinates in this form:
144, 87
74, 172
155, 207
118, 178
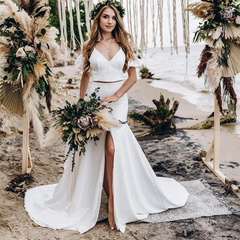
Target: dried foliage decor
220, 29
25, 40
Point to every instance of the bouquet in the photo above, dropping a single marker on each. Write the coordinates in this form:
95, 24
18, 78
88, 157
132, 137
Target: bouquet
78, 123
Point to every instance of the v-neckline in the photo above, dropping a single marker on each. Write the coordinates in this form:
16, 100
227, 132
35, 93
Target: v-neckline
112, 57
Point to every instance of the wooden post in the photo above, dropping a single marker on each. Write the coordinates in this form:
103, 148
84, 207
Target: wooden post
214, 150
26, 157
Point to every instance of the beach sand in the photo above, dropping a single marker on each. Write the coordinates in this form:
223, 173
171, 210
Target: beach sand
173, 158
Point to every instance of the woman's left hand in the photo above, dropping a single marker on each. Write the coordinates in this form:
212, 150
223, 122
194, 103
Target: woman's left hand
109, 99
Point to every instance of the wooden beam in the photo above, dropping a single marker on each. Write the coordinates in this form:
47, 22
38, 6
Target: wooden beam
26, 156
216, 155
214, 150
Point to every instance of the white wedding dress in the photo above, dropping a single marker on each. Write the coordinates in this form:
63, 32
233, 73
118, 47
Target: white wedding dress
74, 202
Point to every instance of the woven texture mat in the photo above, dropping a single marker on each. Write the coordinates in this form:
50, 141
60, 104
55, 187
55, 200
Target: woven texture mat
201, 202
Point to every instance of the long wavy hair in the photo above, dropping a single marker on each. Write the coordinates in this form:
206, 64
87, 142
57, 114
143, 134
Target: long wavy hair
121, 36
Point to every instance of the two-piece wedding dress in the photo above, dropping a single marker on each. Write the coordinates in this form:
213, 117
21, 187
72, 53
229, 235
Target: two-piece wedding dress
74, 202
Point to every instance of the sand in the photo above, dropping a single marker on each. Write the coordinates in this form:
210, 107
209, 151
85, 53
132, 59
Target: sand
172, 158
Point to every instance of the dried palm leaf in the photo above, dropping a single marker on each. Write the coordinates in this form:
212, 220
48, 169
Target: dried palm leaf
92, 132
40, 24
233, 61
205, 57
45, 56
210, 42
11, 97
232, 32
39, 69
203, 10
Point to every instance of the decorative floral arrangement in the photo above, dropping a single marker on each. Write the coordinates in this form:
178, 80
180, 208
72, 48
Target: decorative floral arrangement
78, 123
220, 30
25, 38
99, 6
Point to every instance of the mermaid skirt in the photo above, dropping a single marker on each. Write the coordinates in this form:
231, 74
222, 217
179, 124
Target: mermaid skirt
74, 203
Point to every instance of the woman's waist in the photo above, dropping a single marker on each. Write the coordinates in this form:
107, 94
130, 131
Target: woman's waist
102, 81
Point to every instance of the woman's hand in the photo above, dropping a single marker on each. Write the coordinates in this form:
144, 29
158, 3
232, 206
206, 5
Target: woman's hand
107, 100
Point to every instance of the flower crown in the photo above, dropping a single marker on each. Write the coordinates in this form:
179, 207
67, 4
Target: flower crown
99, 6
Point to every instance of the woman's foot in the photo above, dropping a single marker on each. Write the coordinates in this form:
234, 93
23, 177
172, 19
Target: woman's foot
111, 220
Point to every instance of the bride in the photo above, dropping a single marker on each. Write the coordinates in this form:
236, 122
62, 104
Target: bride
117, 162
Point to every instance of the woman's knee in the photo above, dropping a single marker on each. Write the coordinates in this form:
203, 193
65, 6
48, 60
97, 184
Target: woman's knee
110, 150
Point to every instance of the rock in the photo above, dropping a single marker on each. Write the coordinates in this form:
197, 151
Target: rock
35, 224
200, 156
59, 74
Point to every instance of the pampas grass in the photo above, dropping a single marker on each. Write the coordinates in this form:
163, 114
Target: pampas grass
105, 121
12, 7
203, 10
52, 136
214, 72
205, 57
49, 37
218, 95
48, 96
31, 104
26, 24
229, 90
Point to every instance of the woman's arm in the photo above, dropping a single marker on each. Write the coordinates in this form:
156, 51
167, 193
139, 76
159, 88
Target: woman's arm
132, 79
85, 78
84, 84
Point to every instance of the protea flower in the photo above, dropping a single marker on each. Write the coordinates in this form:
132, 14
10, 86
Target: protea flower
85, 122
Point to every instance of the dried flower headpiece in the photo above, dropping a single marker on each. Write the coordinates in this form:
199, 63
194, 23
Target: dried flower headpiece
100, 5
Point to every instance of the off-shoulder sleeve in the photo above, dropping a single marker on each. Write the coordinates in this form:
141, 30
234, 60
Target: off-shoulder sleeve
135, 63
79, 62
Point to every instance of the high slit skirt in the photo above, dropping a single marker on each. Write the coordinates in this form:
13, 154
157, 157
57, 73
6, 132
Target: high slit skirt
74, 203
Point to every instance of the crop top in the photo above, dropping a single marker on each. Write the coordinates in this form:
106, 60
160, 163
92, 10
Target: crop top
103, 70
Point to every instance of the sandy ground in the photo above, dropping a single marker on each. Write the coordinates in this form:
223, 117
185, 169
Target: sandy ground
172, 157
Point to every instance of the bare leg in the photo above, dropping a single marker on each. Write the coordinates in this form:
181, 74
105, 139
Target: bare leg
108, 178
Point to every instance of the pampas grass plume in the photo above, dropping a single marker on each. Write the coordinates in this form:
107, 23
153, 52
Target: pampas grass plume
201, 10
214, 72
105, 121
31, 103
52, 136
50, 36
